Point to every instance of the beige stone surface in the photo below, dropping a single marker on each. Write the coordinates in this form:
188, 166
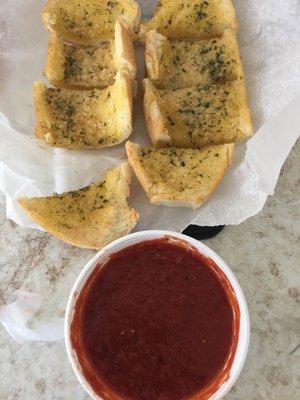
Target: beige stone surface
263, 252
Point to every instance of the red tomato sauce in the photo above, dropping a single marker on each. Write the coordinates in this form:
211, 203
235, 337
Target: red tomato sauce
157, 321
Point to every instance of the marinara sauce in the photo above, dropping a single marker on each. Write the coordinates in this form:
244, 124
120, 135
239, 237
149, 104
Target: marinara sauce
157, 321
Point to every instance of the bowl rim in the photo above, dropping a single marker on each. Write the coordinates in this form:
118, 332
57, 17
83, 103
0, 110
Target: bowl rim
133, 238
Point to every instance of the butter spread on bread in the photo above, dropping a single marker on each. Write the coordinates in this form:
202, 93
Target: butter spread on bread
79, 119
90, 217
74, 67
179, 177
197, 116
179, 64
191, 19
87, 22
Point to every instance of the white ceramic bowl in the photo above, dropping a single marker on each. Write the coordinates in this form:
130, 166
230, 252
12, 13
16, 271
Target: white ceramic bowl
119, 244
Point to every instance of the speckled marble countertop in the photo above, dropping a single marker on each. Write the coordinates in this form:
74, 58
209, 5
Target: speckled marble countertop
263, 252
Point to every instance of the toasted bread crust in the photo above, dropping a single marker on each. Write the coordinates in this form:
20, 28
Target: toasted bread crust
124, 51
126, 113
81, 218
155, 123
132, 150
178, 183
154, 53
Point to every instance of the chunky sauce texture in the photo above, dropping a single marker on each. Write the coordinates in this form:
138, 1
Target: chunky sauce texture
157, 321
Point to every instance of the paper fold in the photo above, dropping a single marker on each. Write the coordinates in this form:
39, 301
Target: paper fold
16, 315
269, 148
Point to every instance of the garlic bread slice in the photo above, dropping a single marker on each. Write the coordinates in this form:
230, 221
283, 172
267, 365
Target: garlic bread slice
88, 23
79, 119
197, 116
179, 177
191, 19
74, 67
179, 64
90, 217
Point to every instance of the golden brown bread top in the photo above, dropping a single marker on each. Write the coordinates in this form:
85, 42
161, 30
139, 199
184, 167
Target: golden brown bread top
84, 119
69, 66
179, 64
176, 176
74, 67
88, 22
197, 116
191, 19
90, 217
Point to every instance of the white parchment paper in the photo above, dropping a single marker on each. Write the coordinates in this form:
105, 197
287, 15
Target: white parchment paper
269, 43
269, 38
16, 316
